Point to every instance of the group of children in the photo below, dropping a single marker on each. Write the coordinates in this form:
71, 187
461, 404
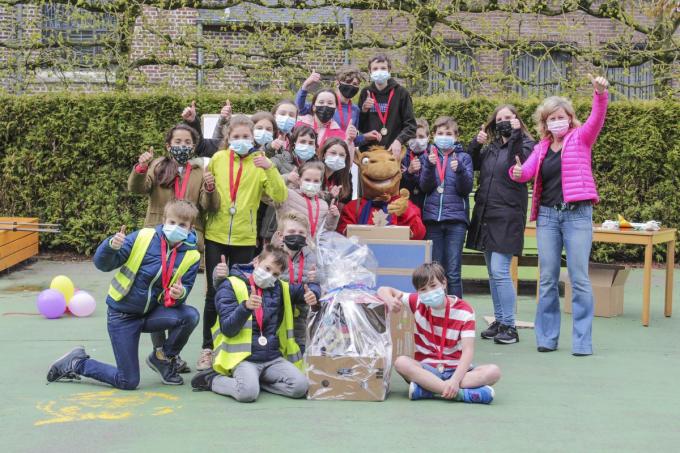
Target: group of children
274, 182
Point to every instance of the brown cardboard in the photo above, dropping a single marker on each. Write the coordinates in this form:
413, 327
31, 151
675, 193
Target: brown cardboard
402, 328
347, 378
399, 233
608, 282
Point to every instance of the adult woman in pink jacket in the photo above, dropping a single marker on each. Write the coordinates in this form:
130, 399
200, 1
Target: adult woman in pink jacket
564, 192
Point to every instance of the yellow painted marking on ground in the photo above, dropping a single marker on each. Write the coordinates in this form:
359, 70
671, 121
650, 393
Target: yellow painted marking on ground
106, 405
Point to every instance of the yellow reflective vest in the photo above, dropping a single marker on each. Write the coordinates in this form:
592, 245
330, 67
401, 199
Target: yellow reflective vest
230, 351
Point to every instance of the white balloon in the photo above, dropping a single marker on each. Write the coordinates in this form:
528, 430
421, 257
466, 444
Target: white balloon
82, 304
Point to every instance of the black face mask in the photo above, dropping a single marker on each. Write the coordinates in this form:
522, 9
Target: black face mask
325, 113
504, 128
347, 90
295, 242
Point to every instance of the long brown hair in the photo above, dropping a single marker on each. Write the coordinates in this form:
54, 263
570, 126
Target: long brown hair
490, 126
166, 170
344, 177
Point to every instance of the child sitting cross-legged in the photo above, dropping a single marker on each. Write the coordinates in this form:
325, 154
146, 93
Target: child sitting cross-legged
444, 339
253, 338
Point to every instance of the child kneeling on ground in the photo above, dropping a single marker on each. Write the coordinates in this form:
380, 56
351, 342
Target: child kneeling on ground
158, 267
253, 339
444, 339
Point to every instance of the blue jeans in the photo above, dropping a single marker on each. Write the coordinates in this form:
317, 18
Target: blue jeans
124, 331
443, 375
572, 230
447, 247
502, 289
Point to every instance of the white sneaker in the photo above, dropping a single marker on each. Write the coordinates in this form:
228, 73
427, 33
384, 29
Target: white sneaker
204, 360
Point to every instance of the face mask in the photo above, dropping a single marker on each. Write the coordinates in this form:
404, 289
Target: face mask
434, 298
285, 123
504, 128
444, 142
241, 146
175, 233
325, 113
310, 188
263, 136
380, 76
295, 242
559, 128
347, 90
335, 163
263, 279
418, 145
304, 152
181, 153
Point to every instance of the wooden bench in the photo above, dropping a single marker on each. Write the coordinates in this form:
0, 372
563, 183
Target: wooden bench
17, 246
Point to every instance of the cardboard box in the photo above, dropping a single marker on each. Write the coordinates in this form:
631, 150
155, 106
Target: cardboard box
402, 328
608, 283
347, 378
399, 233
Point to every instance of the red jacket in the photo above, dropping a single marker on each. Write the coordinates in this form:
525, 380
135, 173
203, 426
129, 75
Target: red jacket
411, 218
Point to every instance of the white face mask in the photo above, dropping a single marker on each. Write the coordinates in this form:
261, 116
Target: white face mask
335, 163
310, 188
380, 76
418, 145
559, 128
263, 279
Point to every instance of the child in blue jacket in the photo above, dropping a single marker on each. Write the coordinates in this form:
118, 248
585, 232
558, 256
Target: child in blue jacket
158, 267
253, 338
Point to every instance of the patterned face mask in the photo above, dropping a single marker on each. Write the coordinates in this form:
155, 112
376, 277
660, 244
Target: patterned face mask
181, 153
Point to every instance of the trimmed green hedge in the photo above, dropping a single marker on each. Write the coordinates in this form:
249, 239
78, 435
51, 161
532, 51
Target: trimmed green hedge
65, 158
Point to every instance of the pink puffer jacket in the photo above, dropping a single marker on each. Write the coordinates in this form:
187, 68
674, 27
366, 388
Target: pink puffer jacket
578, 183
298, 202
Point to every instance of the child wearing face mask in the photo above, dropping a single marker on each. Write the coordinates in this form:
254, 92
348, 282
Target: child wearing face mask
242, 176
324, 106
412, 162
444, 339
337, 181
386, 109
285, 116
446, 181
303, 143
254, 343
158, 268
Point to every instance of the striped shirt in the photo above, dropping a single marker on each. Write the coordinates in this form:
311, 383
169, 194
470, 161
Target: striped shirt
460, 324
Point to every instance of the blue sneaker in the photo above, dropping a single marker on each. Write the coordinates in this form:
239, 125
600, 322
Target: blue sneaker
416, 392
480, 395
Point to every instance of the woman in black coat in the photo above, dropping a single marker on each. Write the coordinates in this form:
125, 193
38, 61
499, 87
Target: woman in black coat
499, 215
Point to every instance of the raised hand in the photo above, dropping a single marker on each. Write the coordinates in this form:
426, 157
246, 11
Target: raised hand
311, 81
189, 113
414, 166
208, 181
225, 113
294, 178
254, 302
262, 161
352, 132
221, 270
335, 191
454, 162
146, 157
599, 83
368, 104
311, 276
118, 239
310, 297
515, 124
517, 169
482, 136
177, 289
277, 144
333, 209
432, 158
398, 207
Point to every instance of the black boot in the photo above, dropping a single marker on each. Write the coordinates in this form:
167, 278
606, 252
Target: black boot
491, 331
166, 368
203, 380
506, 335
65, 366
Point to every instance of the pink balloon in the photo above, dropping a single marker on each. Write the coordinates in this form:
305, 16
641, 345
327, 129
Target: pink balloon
51, 303
82, 304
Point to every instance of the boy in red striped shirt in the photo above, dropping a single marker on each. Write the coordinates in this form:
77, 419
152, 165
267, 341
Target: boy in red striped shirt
444, 339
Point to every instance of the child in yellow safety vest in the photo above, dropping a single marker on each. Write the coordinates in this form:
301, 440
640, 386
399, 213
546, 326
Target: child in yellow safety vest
158, 268
254, 344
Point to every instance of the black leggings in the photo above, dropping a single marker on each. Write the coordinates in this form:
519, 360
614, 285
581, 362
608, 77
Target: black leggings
213, 252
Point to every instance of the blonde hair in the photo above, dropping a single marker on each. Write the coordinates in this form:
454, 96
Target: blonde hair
446, 121
293, 216
549, 106
183, 209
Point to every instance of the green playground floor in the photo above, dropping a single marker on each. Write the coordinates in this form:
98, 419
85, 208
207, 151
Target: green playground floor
624, 398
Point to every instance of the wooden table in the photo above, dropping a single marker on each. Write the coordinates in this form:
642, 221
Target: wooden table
648, 239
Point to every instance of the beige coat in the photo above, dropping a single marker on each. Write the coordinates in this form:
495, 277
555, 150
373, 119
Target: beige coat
296, 202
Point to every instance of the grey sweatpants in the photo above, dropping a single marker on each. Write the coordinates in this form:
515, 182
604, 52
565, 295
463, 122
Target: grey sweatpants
277, 376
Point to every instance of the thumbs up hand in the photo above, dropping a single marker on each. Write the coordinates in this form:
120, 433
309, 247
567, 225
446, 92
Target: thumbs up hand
177, 289
225, 113
312, 274
118, 239
517, 169
146, 157
221, 270
482, 136
189, 113
313, 79
333, 210
599, 83
208, 181
454, 162
310, 297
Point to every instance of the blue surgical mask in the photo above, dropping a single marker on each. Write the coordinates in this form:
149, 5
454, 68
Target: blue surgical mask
304, 152
285, 123
175, 233
434, 298
444, 142
380, 76
263, 136
241, 146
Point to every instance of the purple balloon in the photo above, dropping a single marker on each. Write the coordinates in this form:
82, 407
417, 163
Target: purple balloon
51, 303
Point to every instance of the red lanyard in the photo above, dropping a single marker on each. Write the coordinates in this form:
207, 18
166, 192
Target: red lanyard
259, 313
291, 269
166, 270
441, 167
445, 328
233, 186
179, 194
321, 138
344, 125
313, 222
383, 119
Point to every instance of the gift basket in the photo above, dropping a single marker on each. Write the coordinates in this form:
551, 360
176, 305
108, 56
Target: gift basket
348, 348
